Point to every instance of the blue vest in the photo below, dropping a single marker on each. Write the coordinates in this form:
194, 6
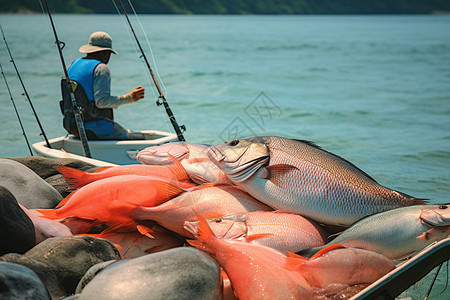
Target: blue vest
82, 71
99, 121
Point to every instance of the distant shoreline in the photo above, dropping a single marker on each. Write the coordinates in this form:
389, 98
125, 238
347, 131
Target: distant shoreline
438, 12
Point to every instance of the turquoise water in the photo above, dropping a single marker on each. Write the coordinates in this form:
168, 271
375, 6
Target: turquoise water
372, 89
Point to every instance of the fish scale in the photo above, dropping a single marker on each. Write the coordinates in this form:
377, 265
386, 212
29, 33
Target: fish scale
302, 178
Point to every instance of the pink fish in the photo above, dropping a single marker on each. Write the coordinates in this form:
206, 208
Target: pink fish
173, 172
192, 156
255, 272
112, 200
45, 228
134, 244
340, 266
208, 200
285, 232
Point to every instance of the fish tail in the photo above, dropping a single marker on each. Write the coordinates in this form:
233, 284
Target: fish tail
120, 214
76, 178
64, 201
293, 261
203, 234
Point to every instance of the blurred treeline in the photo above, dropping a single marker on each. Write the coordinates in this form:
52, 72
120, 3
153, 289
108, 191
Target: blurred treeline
234, 6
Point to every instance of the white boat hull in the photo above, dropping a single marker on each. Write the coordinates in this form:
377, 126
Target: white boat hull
103, 152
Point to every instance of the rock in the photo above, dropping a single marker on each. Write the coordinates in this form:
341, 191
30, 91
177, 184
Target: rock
45, 168
71, 257
91, 273
28, 188
19, 282
42, 270
17, 234
180, 273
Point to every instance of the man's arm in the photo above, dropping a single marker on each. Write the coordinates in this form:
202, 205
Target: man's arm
102, 90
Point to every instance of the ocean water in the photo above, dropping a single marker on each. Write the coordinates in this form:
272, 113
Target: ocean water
373, 89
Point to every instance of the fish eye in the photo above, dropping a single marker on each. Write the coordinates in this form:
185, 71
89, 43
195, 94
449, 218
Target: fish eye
218, 220
443, 207
233, 142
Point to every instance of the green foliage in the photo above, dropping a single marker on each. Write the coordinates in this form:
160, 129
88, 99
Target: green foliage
57, 6
235, 6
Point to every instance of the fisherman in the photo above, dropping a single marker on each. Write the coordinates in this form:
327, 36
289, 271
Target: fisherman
91, 82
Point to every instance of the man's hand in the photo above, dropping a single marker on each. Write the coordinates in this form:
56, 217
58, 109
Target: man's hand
137, 93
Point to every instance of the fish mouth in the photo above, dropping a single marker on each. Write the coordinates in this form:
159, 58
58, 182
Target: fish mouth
244, 171
436, 218
190, 228
237, 172
215, 155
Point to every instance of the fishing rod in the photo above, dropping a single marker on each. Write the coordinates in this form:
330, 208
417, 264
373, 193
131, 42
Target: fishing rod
25, 92
77, 110
162, 99
17, 113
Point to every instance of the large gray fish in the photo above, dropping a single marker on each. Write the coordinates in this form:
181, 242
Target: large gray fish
396, 233
300, 177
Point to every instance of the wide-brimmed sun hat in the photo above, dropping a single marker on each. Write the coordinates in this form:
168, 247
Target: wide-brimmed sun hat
98, 41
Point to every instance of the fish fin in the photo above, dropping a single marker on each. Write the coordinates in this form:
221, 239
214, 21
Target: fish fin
195, 243
198, 160
101, 169
207, 185
292, 254
204, 232
314, 145
173, 190
198, 179
64, 201
144, 230
121, 214
425, 237
178, 170
252, 237
326, 250
211, 215
283, 211
170, 189
274, 173
292, 262
75, 177
307, 253
48, 213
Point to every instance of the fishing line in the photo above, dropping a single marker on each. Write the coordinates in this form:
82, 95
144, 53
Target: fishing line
136, 49
161, 99
149, 47
434, 280
25, 93
76, 109
17, 113
154, 64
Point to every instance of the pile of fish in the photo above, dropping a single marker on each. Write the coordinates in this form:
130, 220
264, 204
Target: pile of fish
264, 208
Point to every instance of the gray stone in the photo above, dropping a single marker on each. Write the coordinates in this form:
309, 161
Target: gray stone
42, 270
29, 189
17, 234
91, 273
180, 273
19, 282
45, 168
71, 257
